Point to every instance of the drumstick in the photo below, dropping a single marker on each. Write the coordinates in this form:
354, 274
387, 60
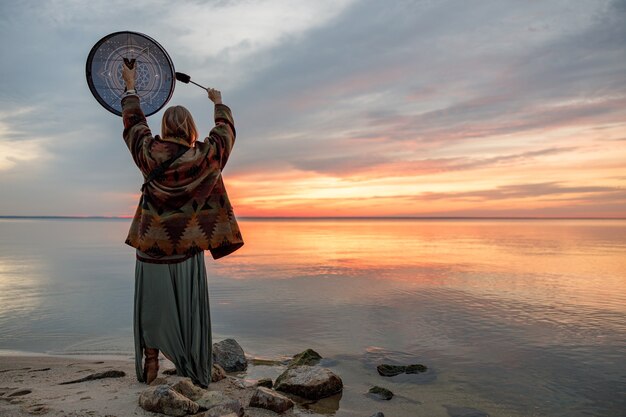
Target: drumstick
187, 79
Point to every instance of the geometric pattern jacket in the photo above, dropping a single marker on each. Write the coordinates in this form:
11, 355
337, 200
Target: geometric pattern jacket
186, 209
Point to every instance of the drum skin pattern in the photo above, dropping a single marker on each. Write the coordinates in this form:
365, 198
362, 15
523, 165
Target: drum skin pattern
155, 71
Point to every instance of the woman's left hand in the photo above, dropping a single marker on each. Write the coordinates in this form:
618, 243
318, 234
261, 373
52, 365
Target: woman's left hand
215, 95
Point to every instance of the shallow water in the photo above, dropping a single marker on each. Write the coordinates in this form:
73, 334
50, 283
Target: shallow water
512, 317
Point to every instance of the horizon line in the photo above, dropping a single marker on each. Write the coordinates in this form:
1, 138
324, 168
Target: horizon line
341, 217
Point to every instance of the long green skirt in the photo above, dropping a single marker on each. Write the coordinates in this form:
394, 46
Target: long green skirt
172, 314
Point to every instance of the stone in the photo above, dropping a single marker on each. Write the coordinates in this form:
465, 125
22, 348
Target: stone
188, 389
231, 408
378, 414
169, 371
311, 382
266, 362
97, 375
217, 373
37, 409
212, 398
229, 355
19, 392
167, 380
380, 393
308, 357
416, 368
270, 400
163, 399
265, 382
159, 380
238, 382
228, 414
221, 415
390, 370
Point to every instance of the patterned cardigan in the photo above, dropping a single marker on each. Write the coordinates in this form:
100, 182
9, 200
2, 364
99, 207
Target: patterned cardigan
185, 210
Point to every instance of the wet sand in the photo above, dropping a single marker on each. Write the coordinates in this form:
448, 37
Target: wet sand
29, 385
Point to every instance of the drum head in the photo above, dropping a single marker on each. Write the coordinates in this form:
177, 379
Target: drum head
155, 71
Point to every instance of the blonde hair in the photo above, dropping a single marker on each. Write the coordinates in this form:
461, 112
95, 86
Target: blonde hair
178, 122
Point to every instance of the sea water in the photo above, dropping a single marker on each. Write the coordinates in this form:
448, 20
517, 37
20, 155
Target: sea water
511, 317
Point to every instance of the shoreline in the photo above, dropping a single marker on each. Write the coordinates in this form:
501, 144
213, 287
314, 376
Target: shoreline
38, 378
31, 384
88, 356
327, 218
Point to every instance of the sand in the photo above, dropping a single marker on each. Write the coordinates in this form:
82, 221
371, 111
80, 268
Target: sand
29, 385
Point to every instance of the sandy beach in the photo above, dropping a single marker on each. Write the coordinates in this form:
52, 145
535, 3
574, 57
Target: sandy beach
29, 385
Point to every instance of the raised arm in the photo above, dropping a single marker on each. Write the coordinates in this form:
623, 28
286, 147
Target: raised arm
135, 125
222, 136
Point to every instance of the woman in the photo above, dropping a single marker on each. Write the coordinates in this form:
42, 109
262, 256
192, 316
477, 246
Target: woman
184, 210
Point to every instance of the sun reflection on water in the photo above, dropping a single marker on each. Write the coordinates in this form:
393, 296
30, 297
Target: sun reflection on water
562, 263
499, 309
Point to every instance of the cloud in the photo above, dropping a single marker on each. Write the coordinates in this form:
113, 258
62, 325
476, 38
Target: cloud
12, 154
329, 97
533, 190
375, 166
470, 83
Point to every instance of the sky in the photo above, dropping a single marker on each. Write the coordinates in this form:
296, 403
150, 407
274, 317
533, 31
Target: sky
487, 108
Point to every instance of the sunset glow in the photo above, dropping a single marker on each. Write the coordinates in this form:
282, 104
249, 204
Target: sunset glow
348, 108
569, 172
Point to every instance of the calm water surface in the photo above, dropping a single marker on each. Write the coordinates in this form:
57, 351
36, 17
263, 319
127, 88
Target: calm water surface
512, 317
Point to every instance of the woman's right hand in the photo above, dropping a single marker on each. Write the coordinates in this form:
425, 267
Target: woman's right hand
215, 95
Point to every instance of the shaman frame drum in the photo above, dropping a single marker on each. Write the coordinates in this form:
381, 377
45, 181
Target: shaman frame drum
155, 71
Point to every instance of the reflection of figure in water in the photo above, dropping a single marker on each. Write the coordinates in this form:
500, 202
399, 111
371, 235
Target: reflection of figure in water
183, 211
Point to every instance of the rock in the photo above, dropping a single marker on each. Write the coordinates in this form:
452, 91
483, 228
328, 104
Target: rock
188, 389
229, 409
98, 375
268, 362
219, 414
229, 355
378, 414
211, 399
217, 373
170, 371
265, 382
37, 409
163, 399
238, 382
308, 357
168, 380
310, 382
380, 393
390, 370
393, 370
229, 414
416, 368
159, 380
270, 400
19, 392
